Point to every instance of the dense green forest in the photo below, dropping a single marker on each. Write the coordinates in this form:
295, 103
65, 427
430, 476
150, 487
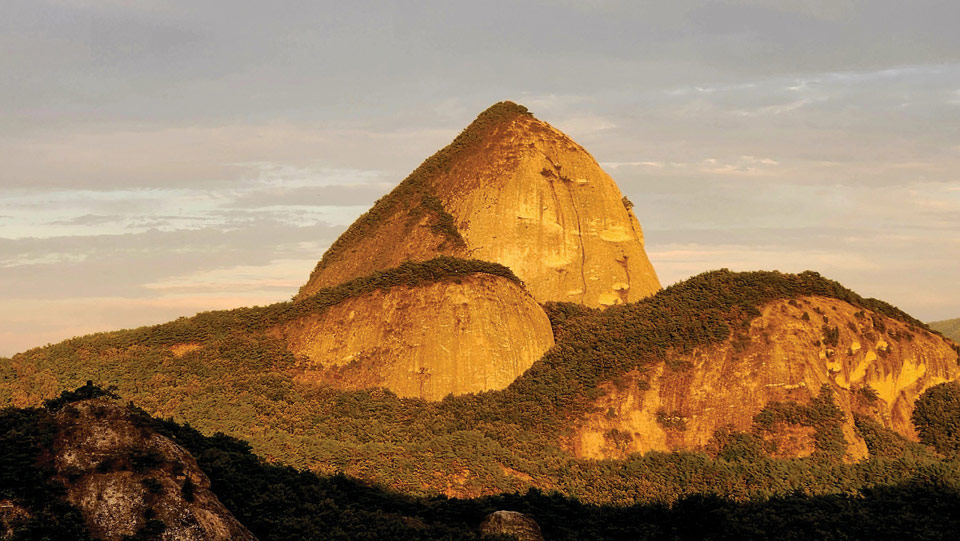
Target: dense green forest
905, 498
240, 380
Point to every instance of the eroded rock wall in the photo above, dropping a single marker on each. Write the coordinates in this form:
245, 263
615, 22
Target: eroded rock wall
542, 206
474, 334
786, 354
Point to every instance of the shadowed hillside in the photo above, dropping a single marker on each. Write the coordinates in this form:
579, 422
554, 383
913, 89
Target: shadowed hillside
174, 470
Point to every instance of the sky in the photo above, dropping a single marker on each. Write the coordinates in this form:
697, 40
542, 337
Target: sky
161, 158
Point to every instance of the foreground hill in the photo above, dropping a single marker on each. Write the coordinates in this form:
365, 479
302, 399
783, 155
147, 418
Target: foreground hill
949, 327
94, 468
513, 190
233, 372
163, 480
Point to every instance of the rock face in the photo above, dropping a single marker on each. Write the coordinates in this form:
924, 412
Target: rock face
127, 479
520, 526
786, 355
512, 190
471, 334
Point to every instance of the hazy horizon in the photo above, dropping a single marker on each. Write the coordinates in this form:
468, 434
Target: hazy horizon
165, 158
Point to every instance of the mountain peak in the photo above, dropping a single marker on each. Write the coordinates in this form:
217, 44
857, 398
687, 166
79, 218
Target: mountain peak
502, 111
510, 189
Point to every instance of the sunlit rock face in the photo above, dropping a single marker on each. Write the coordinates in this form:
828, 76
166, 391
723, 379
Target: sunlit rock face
513, 190
783, 356
471, 334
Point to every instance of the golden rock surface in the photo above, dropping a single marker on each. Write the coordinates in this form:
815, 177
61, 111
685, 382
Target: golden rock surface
785, 359
476, 334
520, 193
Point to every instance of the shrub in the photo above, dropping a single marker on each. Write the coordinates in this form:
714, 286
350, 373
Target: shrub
936, 416
86, 392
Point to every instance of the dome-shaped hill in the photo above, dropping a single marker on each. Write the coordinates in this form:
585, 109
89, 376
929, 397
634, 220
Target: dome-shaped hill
514, 190
423, 329
477, 332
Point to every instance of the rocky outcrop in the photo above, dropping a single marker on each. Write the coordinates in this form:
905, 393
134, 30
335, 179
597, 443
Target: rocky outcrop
875, 365
470, 334
10, 515
127, 479
512, 190
512, 523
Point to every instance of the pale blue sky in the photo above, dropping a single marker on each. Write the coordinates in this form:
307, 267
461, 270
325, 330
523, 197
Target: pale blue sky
162, 158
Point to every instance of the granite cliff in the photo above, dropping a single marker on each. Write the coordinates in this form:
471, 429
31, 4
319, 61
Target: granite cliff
872, 365
474, 333
513, 190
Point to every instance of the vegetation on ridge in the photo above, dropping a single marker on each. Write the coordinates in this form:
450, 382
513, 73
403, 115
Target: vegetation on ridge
790, 499
937, 418
247, 322
602, 345
241, 380
416, 191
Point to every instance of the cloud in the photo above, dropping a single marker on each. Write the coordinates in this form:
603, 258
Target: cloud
28, 322
778, 109
741, 166
617, 165
162, 144
120, 264
213, 156
282, 275
360, 195
89, 219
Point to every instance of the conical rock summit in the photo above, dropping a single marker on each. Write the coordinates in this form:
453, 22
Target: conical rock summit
513, 190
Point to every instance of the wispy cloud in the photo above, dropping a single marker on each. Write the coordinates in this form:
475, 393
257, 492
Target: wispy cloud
202, 156
283, 275
740, 166
778, 109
